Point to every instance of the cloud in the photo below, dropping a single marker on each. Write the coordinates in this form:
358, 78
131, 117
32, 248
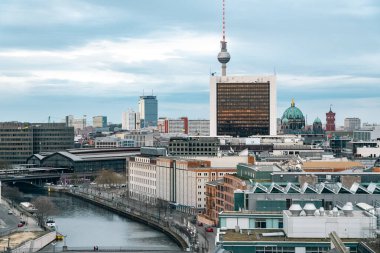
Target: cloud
333, 81
52, 12
107, 67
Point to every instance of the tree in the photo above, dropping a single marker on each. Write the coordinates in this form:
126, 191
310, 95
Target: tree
4, 165
45, 208
107, 177
11, 193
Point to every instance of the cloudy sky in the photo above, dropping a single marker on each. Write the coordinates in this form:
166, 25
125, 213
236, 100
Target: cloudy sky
95, 57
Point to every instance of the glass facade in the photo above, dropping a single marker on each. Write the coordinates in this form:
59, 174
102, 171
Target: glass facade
243, 109
148, 107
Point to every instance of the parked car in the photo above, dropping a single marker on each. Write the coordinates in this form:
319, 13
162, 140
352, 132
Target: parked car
200, 224
20, 224
209, 229
10, 211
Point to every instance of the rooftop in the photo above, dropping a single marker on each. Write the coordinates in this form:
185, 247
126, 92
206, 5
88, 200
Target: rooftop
257, 235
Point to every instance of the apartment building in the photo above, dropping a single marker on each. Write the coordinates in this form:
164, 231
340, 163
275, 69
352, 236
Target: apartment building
175, 180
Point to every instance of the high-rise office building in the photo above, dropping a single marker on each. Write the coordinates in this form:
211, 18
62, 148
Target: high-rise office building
99, 121
130, 120
148, 108
351, 124
243, 105
18, 140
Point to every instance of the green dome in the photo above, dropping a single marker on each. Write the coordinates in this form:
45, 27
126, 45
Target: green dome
292, 113
317, 120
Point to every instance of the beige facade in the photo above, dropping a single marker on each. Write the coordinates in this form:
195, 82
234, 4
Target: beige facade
142, 179
180, 181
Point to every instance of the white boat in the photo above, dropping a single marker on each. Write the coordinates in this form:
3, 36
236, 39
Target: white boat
50, 223
27, 206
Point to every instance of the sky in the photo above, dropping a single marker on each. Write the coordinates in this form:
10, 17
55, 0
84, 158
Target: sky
96, 57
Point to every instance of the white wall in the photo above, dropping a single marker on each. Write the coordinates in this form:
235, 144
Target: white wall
368, 152
357, 226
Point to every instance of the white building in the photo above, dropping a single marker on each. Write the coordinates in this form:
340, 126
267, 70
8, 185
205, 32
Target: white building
243, 105
76, 123
130, 120
113, 142
142, 138
183, 181
368, 152
347, 224
142, 178
199, 127
351, 124
180, 181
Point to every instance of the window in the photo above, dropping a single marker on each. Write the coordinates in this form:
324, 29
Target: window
260, 223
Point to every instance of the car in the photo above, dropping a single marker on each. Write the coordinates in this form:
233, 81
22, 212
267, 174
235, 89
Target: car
10, 211
20, 224
209, 229
200, 224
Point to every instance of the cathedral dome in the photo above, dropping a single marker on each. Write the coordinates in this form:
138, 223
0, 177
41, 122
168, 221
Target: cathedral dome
292, 113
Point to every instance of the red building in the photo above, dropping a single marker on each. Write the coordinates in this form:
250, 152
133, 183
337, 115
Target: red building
330, 121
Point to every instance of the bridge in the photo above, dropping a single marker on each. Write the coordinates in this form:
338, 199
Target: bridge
37, 175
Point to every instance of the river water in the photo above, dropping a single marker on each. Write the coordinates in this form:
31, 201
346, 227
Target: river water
86, 225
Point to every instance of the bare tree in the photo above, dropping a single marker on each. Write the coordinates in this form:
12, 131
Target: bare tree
45, 208
4, 165
11, 193
107, 177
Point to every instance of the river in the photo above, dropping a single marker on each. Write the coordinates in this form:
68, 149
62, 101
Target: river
86, 225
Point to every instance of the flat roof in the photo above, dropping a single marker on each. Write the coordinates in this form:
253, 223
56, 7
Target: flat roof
256, 235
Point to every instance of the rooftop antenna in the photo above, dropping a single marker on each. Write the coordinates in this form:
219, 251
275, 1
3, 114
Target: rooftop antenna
223, 56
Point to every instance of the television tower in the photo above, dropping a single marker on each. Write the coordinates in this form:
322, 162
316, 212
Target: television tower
223, 56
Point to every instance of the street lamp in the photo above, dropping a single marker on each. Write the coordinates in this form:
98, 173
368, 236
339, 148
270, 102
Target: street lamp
53, 243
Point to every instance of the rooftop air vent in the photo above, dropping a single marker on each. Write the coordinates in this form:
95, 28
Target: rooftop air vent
295, 209
309, 209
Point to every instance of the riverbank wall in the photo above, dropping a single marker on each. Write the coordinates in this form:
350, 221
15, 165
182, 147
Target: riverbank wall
36, 244
156, 223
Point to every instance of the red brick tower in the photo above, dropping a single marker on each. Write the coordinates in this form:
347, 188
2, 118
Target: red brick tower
330, 121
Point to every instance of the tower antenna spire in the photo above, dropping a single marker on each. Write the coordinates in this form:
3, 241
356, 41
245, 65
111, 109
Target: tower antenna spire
224, 21
223, 56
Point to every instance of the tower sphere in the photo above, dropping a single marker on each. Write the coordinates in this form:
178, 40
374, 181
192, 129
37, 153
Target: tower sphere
224, 57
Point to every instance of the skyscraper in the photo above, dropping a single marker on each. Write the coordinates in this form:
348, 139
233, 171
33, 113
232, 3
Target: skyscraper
148, 108
243, 105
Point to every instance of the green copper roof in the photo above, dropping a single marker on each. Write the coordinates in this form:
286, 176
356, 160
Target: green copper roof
292, 112
317, 120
